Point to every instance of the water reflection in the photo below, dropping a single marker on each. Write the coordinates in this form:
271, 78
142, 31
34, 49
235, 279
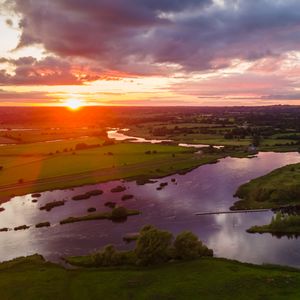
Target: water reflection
119, 136
207, 188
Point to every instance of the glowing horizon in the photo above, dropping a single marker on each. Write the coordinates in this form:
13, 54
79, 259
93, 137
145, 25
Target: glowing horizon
149, 55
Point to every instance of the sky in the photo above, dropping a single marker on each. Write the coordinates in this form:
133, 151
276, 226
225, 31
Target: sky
150, 52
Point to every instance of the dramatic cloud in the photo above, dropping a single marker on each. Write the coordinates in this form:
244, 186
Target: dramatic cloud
194, 34
207, 49
48, 71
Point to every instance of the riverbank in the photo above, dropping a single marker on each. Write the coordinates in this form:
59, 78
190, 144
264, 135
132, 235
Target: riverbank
24, 175
276, 189
143, 161
281, 224
206, 278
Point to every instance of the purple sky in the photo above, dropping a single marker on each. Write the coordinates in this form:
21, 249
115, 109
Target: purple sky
150, 52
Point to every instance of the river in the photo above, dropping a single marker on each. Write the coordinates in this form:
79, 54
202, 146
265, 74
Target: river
206, 188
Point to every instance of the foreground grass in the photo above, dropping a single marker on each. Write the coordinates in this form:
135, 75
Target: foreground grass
278, 188
208, 278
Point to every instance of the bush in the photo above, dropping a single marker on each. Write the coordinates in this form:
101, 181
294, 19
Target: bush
119, 213
187, 246
153, 246
107, 257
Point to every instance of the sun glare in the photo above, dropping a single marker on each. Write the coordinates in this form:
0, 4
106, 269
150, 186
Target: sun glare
73, 104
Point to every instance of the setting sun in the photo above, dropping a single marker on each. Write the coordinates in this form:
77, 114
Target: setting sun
73, 103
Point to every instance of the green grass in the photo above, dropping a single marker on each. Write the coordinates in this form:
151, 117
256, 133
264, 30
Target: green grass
208, 278
99, 216
90, 166
44, 148
268, 144
280, 225
278, 188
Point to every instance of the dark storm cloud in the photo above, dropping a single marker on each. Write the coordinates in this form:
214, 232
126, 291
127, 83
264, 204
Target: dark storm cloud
195, 34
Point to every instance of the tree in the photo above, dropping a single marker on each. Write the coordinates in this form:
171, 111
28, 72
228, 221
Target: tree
153, 245
187, 245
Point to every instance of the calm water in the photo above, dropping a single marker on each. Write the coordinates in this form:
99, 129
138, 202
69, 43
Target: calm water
116, 134
120, 135
207, 188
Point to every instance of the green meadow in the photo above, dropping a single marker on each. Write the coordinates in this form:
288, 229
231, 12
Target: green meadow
40, 166
278, 188
207, 278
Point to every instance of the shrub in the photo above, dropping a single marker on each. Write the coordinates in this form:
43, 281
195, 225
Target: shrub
107, 257
187, 246
119, 213
153, 245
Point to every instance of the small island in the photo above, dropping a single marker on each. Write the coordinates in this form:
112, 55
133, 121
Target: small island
281, 224
117, 214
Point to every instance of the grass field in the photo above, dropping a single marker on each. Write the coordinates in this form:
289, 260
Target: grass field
272, 143
278, 188
39, 171
208, 278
